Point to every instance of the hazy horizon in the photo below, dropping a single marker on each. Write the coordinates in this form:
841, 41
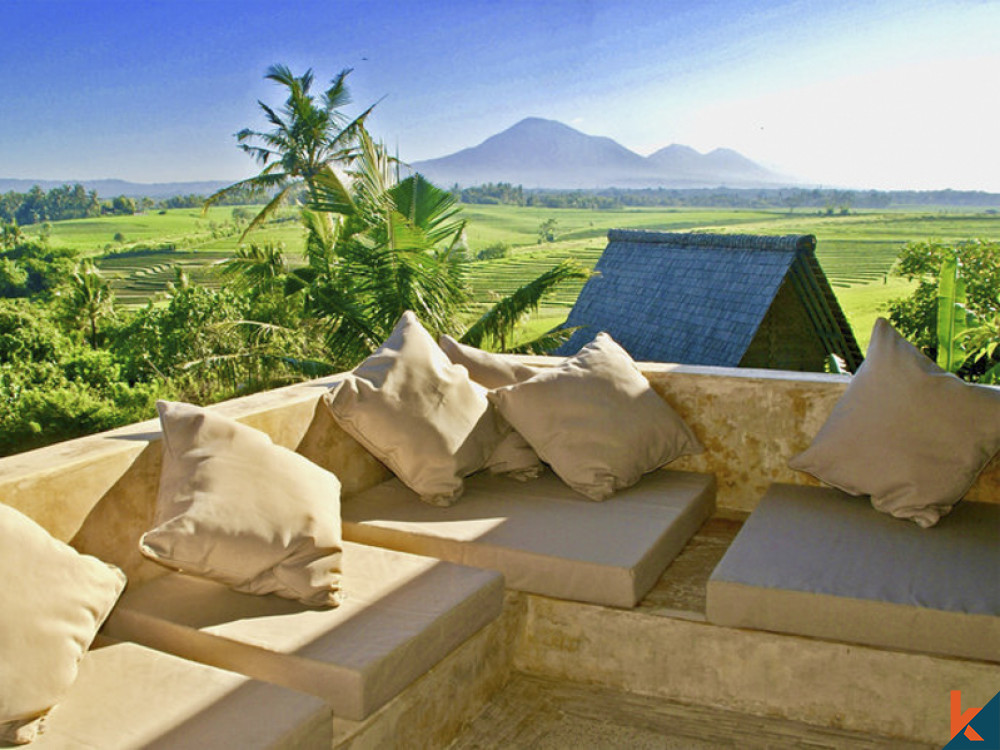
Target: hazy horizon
881, 94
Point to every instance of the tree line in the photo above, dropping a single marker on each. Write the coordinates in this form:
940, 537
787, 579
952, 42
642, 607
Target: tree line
819, 199
74, 202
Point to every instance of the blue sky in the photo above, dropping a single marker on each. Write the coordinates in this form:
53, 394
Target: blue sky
880, 93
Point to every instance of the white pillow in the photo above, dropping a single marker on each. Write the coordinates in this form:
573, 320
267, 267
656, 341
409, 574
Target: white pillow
238, 509
596, 420
905, 432
513, 457
52, 601
418, 413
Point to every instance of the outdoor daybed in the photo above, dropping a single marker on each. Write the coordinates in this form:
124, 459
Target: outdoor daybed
400, 616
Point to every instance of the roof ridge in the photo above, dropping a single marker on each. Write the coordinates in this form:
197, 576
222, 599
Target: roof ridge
783, 243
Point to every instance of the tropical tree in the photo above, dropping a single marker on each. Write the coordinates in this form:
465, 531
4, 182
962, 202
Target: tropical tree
982, 342
256, 267
89, 298
547, 231
379, 245
10, 235
308, 134
966, 344
977, 267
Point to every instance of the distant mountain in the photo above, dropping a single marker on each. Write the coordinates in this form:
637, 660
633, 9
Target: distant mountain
723, 166
538, 153
535, 153
111, 188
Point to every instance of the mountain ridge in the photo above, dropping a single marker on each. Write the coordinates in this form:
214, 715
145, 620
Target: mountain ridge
540, 153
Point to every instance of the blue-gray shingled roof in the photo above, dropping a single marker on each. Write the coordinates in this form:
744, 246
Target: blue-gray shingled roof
691, 298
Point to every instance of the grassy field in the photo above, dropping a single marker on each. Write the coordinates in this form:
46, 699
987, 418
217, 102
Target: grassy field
856, 251
92, 236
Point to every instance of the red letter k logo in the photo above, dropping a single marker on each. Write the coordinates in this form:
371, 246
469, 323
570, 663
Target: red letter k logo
960, 720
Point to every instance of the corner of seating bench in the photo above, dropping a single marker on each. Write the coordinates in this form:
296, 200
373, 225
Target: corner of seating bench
818, 562
401, 615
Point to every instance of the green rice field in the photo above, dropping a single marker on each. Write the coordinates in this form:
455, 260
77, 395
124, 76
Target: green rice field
856, 251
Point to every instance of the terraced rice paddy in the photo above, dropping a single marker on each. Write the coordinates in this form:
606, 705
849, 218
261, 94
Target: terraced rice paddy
138, 278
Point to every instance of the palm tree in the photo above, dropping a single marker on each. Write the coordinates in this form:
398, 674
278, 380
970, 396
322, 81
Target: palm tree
90, 297
308, 135
380, 245
377, 245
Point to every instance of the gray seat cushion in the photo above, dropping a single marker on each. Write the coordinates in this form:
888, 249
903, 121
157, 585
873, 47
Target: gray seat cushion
128, 697
401, 615
544, 537
819, 562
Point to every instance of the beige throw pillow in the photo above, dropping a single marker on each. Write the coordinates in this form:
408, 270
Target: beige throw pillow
905, 432
513, 457
596, 420
418, 413
52, 601
486, 368
238, 509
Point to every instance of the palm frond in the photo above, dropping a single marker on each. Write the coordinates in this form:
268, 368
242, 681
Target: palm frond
280, 73
349, 334
496, 326
262, 181
274, 118
427, 206
268, 211
329, 194
337, 95
544, 343
373, 177
256, 266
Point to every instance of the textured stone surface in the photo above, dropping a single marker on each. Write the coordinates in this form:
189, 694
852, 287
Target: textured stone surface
533, 713
858, 688
752, 421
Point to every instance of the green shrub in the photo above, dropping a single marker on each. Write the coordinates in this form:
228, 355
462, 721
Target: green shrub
494, 252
